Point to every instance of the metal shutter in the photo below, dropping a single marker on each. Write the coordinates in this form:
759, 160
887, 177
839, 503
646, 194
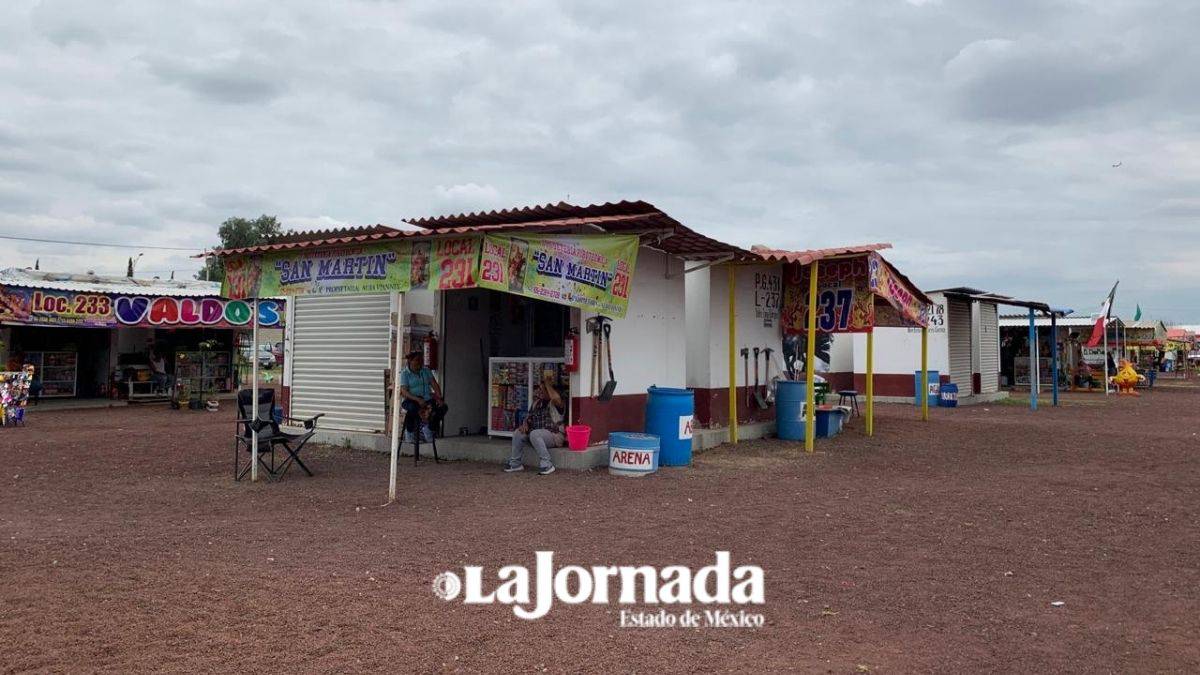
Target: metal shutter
339, 354
989, 349
958, 323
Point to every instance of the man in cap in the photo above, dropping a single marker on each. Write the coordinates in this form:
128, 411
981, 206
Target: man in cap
422, 397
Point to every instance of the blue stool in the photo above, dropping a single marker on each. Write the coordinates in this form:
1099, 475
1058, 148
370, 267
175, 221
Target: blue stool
851, 394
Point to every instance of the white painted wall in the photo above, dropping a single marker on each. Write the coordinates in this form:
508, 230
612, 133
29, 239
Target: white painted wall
698, 303
650, 344
708, 332
898, 350
841, 353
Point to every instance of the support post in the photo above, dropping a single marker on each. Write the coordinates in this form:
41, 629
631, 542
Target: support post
1054, 357
1034, 385
924, 392
810, 415
871, 382
1105, 320
253, 392
396, 366
733, 396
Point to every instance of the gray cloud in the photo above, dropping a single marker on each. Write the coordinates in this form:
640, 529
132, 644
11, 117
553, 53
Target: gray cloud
978, 136
227, 78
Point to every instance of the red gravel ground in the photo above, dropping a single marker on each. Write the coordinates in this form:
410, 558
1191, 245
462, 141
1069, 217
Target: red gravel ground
125, 545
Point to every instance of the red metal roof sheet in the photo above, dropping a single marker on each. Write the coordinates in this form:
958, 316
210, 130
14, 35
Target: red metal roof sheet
623, 217
807, 257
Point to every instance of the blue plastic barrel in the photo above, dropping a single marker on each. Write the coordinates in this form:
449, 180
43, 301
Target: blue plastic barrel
632, 454
669, 415
931, 390
789, 410
948, 396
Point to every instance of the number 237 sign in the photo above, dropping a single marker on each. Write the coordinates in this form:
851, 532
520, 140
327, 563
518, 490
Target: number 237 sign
844, 300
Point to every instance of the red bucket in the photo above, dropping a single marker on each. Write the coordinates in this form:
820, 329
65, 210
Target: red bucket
578, 436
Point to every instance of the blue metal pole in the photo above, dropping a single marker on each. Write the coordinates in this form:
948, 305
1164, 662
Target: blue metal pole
1033, 363
1054, 353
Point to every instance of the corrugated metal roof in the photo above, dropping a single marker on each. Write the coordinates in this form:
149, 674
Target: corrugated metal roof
1018, 320
997, 298
95, 283
306, 235
806, 257
668, 234
546, 212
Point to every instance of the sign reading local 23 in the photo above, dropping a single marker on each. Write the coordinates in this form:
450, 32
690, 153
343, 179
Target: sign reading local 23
102, 310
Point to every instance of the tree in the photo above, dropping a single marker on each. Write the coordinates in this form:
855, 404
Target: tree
238, 233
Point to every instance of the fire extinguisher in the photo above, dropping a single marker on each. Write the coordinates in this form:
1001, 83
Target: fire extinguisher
429, 348
571, 351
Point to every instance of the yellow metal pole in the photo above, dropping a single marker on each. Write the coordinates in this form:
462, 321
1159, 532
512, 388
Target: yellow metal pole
871, 382
924, 393
810, 356
733, 397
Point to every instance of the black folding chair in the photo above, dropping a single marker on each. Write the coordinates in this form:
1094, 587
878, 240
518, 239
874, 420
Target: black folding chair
270, 436
415, 423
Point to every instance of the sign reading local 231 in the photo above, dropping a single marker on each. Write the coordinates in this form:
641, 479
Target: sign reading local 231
102, 310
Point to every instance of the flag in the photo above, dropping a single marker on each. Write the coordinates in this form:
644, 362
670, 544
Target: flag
1102, 321
1137, 316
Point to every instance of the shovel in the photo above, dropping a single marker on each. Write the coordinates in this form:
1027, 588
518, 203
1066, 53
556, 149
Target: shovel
746, 372
770, 386
610, 387
758, 397
594, 377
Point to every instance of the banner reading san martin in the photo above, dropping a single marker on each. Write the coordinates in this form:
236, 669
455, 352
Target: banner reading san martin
368, 268
592, 272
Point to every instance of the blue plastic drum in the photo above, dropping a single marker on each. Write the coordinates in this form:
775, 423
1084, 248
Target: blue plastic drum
632, 454
789, 410
669, 415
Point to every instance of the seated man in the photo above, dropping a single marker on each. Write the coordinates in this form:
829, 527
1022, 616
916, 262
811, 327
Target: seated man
542, 429
1083, 375
422, 398
160, 381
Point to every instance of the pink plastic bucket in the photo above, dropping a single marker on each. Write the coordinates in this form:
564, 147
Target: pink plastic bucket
578, 436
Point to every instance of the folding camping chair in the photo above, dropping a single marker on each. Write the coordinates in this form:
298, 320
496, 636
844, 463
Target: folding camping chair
269, 436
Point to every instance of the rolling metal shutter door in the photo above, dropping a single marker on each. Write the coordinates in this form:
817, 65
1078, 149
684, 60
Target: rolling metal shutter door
958, 321
339, 354
989, 349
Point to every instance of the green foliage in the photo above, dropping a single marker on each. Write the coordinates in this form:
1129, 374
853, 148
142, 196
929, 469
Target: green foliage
237, 233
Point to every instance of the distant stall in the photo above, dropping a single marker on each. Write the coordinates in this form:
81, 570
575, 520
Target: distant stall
847, 290
92, 336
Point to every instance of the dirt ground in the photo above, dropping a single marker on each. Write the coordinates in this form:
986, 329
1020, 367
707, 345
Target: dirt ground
124, 544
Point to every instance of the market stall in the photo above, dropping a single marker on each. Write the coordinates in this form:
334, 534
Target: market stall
852, 290
91, 336
509, 294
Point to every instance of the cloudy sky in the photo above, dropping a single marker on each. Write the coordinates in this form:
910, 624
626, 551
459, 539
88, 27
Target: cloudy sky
978, 136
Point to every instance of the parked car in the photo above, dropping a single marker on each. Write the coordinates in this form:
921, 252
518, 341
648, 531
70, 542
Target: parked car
266, 357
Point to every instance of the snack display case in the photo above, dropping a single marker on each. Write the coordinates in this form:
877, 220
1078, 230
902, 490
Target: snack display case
198, 374
58, 372
511, 383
